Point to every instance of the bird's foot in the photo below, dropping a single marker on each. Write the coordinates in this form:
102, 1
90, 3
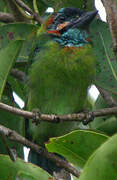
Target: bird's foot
37, 116
89, 117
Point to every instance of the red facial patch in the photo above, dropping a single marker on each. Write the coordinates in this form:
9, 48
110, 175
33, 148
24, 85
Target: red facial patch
54, 32
50, 20
87, 39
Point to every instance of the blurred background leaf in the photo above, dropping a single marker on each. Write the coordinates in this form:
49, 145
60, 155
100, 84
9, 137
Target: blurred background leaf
10, 32
21, 170
101, 37
8, 56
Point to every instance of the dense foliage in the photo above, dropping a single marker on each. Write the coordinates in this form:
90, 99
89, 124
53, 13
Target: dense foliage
92, 147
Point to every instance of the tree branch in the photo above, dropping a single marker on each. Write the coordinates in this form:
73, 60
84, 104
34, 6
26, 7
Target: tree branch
79, 117
107, 97
18, 16
14, 136
6, 17
35, 16
20, 75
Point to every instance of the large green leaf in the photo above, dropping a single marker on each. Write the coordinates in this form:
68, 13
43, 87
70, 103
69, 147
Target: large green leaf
15, 31
7, 57
10, 32
106, 65
102, 165
109, 126
20, 170
76, 146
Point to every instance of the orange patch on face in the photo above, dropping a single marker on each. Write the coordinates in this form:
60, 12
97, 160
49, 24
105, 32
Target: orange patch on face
61, 26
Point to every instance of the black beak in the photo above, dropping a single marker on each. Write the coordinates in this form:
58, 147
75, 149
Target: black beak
82, 22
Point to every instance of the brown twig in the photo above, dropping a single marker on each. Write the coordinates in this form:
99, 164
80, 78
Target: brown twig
20, 75
6, 17
9, 151
18, 16
14, 136
35, 16
107, 97
79, 117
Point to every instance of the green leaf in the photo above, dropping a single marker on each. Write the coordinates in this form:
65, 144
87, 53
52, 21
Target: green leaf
109, 126
15, 31
76, 146
106, 65
7, 57
10, 32
43, 5
20, 170
102, 165
65, 3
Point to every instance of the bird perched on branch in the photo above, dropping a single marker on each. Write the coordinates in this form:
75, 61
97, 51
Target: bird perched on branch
60, 77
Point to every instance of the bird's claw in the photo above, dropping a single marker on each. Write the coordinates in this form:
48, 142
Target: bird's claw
37, 116
89, 117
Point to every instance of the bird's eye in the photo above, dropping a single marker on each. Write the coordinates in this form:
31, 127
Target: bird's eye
61, 18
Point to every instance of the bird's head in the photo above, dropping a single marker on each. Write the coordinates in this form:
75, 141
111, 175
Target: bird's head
69, 26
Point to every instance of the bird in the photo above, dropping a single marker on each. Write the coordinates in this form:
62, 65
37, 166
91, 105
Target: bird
62, 72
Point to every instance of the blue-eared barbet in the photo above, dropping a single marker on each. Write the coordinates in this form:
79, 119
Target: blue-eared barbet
60, 77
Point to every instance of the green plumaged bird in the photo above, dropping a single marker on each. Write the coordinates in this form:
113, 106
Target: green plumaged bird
60, 77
